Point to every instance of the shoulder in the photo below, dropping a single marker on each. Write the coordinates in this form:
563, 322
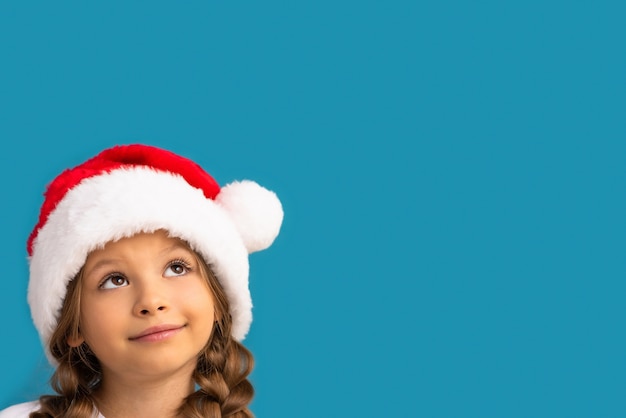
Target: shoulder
20, 410
23, 410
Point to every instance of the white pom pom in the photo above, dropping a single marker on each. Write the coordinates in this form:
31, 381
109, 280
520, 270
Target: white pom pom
256, 212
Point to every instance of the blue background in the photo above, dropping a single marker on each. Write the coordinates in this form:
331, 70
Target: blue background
452, 173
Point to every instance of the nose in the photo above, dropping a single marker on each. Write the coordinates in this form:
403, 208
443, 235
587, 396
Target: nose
151, 299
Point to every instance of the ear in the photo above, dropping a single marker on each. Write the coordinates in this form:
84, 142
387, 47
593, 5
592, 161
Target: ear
75, 341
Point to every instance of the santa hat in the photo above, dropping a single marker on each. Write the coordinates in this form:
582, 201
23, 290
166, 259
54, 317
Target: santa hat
136, 188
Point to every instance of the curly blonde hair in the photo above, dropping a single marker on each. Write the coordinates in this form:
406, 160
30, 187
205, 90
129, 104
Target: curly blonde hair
221, 373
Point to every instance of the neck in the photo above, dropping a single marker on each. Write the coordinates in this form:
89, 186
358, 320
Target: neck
120, 397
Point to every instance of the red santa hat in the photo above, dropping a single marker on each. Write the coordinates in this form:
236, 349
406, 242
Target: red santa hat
136, 188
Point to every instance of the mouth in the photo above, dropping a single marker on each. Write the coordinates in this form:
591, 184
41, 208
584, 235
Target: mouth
157, 333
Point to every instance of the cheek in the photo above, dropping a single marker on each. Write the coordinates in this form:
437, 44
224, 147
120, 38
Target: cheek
199, 302
196, 292
99, 320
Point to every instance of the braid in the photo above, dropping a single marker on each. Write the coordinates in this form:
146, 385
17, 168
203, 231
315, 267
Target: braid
78, 372
221, 376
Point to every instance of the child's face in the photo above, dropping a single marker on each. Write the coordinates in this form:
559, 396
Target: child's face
145, 310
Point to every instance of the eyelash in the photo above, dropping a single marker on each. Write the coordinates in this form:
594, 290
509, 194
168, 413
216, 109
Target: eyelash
178, 261
110, 276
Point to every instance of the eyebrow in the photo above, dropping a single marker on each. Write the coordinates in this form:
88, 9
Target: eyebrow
99, 264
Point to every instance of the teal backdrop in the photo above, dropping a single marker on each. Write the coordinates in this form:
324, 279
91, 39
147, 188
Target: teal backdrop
452, 174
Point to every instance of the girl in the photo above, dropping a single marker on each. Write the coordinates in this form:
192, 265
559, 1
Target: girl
139, 287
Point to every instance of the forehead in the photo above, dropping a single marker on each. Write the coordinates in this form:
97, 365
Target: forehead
158, 241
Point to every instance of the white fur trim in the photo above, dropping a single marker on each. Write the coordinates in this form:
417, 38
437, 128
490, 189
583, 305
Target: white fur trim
120, 204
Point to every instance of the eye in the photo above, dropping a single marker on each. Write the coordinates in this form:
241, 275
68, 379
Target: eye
114, 281
177, 268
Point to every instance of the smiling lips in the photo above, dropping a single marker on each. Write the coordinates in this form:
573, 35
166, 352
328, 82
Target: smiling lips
157, 333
